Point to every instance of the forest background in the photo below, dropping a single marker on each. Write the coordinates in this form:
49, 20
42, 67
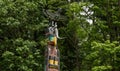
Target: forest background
92, 32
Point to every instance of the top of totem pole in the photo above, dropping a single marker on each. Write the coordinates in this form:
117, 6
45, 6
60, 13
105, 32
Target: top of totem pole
54, 16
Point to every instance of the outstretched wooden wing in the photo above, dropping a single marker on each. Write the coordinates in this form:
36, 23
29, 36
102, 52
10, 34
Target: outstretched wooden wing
55, 16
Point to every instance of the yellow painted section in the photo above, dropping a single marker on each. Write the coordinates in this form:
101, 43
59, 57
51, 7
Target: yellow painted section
55, 41
56, 62
51, 61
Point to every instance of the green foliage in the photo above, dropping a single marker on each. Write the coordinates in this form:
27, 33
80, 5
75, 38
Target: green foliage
23, 56
102, 56
102, 68
20, 25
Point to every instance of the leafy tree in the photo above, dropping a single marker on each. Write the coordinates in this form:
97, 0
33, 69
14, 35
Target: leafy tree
91, 30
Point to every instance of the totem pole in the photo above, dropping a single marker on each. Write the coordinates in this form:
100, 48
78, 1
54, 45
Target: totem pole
52, 54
